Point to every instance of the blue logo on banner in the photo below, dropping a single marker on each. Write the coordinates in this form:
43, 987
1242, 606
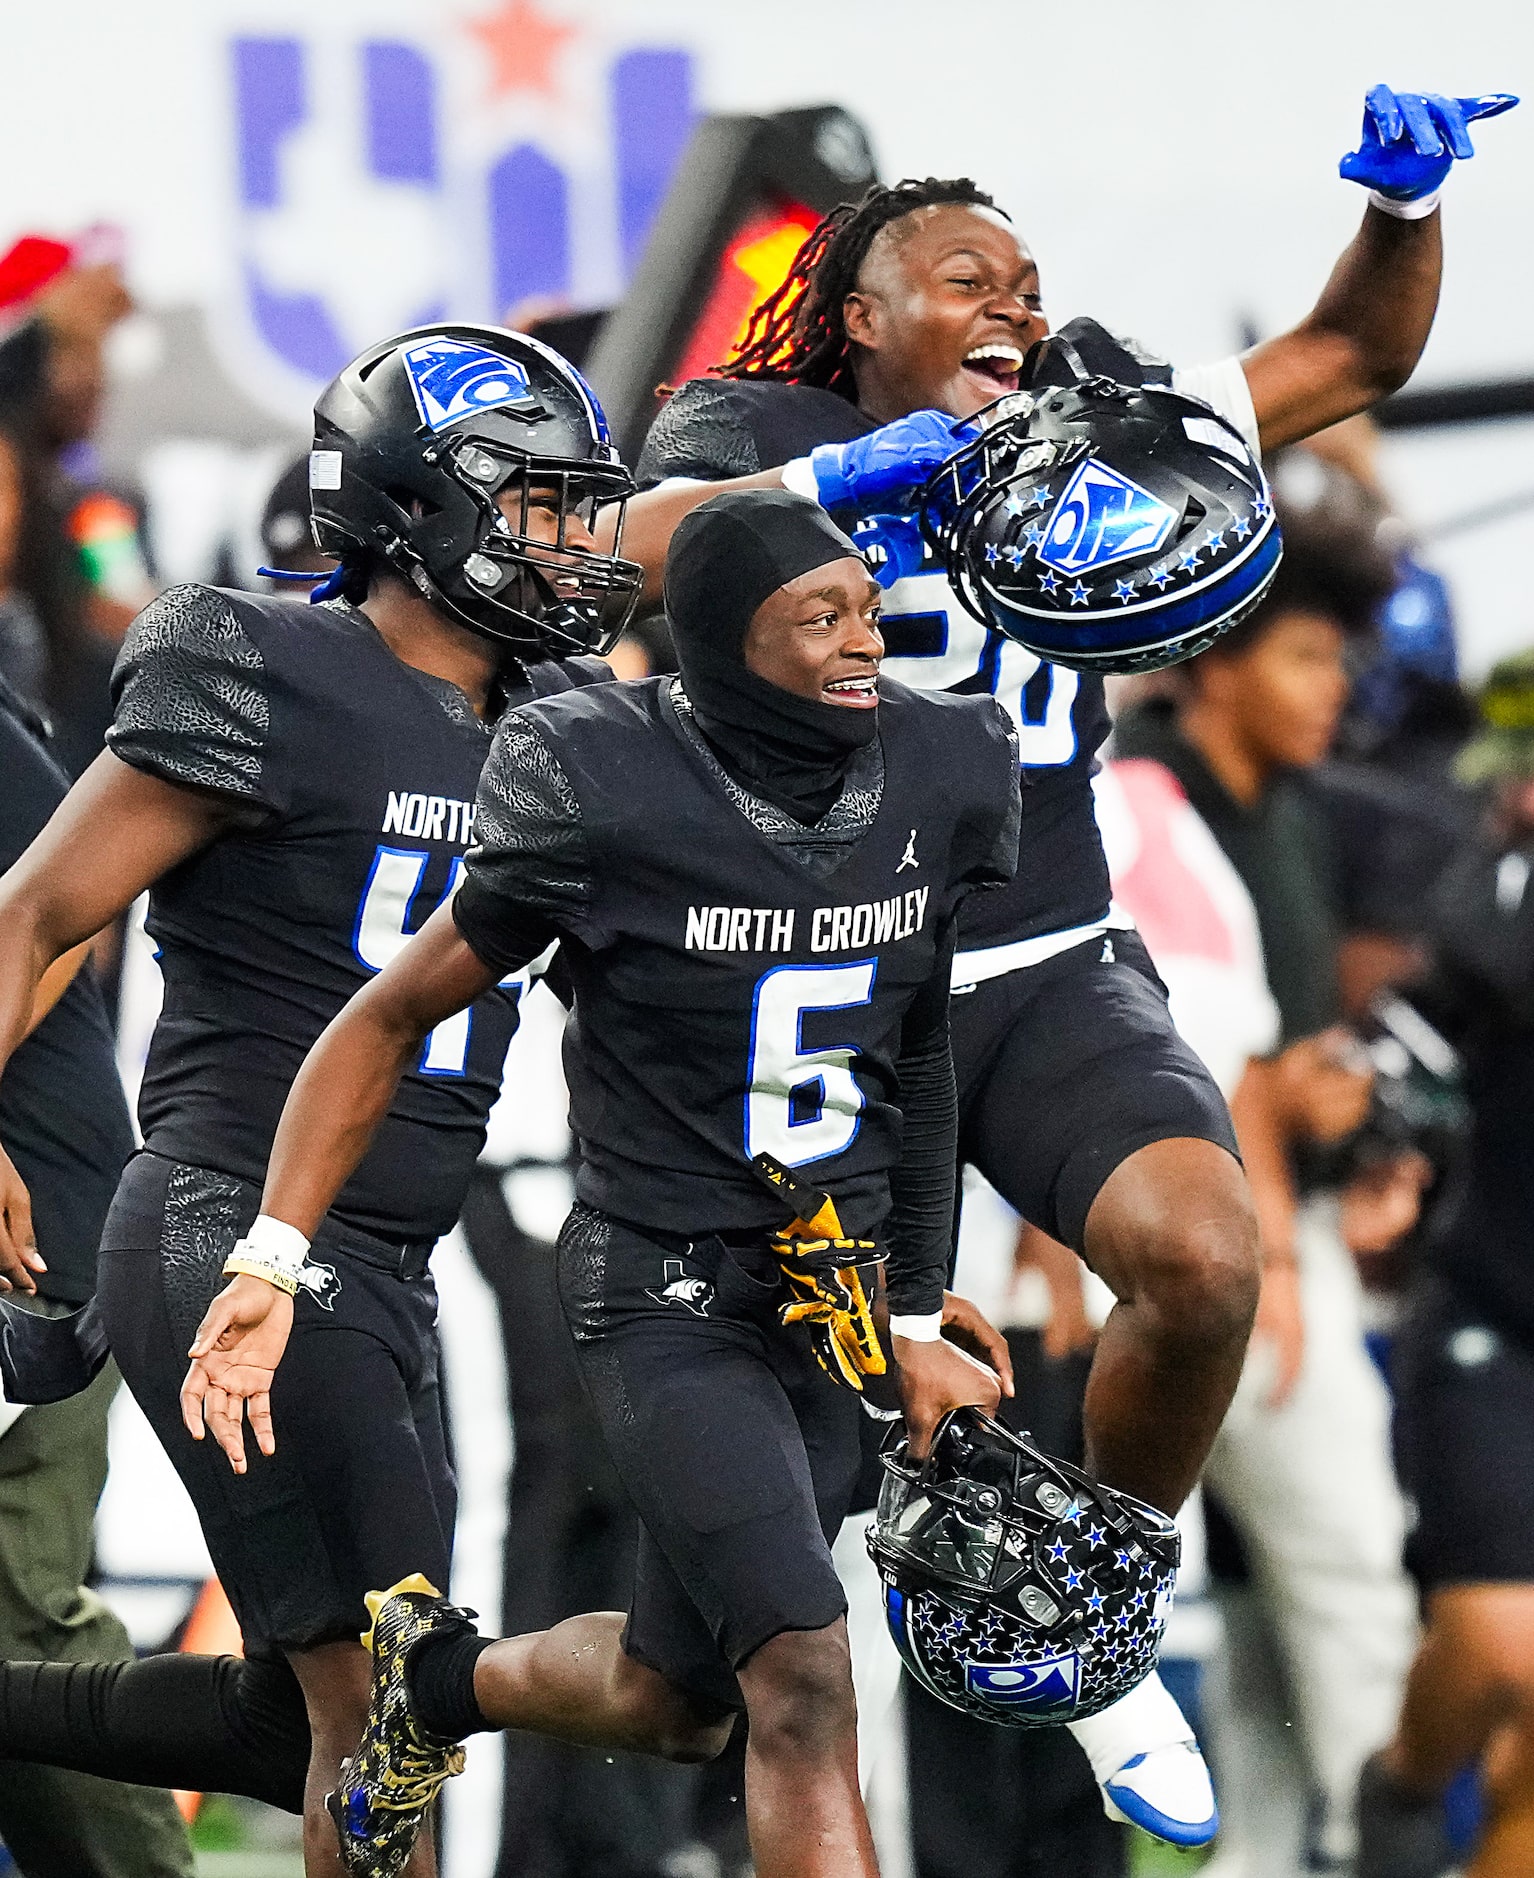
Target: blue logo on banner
1040, 1687
1101, 518
345, 150
452, 379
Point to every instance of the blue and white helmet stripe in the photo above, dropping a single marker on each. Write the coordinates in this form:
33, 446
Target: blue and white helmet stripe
562, 365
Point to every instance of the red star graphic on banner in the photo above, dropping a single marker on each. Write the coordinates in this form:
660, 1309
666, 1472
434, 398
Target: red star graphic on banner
523, 46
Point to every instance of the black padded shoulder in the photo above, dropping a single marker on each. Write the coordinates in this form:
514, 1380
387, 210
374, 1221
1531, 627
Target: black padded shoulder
190, 694
715, 428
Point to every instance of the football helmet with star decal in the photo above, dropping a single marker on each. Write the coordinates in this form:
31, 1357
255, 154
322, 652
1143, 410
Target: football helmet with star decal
1016, 1588
1104, 526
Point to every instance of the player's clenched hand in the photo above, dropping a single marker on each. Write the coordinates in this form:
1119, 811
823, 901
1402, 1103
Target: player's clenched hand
234, 1357
19, 1256
934, 1378
968, 1326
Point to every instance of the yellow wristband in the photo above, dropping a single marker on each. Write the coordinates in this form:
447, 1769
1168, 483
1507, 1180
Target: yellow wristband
237, 1267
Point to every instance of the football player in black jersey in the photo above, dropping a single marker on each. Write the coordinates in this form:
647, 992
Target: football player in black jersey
755, 872
1077, 1099
294, 786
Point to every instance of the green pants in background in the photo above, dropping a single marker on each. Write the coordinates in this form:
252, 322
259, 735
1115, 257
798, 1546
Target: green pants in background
56, 1824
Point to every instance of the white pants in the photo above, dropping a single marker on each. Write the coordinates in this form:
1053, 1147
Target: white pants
1312, 1490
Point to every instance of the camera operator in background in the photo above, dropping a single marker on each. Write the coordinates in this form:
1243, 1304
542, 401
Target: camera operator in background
1302, 1465
1465, 1374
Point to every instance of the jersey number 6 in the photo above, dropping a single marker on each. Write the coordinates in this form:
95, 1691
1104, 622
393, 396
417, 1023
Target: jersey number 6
802, 1105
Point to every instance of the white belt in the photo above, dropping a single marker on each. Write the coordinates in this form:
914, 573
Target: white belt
973, 968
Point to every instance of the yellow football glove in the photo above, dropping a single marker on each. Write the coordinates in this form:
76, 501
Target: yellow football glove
823, 1269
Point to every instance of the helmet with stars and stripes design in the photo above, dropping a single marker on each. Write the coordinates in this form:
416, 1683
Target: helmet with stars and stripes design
1104, 526
1017, 1589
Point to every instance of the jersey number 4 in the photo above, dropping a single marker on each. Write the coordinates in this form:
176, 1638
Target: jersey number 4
381, 934
802, 1105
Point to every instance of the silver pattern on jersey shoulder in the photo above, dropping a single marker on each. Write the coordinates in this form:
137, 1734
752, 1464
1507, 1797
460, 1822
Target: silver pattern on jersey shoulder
191, 702
822, 846
697, 426
530, 842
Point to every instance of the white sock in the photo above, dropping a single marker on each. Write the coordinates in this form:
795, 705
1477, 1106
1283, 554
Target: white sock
1138, 1723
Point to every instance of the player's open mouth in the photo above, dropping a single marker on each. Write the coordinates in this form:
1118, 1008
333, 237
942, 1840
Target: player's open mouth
996, 365
861, 691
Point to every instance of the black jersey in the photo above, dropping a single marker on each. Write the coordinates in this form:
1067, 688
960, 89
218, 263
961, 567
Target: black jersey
63, 1118
358, 774
718, 428
741, 982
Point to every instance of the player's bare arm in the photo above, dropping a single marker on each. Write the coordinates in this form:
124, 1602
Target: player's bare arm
115, 833
337, 1102
1365, 334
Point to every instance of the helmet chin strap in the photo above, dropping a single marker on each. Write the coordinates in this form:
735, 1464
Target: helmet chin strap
332, 582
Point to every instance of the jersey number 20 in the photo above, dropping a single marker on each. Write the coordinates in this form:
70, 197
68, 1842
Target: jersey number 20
802, 1105
934, 644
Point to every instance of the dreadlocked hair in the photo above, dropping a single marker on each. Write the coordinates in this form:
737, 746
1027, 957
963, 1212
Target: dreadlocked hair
796, 335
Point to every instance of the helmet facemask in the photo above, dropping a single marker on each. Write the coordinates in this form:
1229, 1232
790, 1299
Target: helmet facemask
545, 598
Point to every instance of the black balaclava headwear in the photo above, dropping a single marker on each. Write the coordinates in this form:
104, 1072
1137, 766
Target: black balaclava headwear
725, 559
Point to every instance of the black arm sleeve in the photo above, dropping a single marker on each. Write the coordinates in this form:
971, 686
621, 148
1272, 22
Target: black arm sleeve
922, 1185
527, 879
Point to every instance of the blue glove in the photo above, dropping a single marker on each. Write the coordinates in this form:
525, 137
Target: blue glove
1411, 140
892, 461
893, 545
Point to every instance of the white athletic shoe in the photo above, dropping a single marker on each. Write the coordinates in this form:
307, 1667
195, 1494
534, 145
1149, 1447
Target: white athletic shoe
1149, 1767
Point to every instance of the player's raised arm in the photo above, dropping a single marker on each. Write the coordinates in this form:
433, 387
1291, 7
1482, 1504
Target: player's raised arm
1365, 334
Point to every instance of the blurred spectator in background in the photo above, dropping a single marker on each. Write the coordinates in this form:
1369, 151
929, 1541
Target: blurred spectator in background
1465, 1371
286, 538
65, 1123
1302, 1465
1394, 814
23, 644
78, 565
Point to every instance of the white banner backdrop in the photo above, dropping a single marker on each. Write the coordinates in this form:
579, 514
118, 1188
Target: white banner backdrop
310, 176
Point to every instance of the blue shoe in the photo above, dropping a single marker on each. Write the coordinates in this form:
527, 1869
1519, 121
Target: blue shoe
1148, 1766
1166, 1793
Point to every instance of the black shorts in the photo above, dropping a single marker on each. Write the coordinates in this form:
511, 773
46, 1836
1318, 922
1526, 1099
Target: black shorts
1068, 1067
739, 1453
1464, 1435
360, 1491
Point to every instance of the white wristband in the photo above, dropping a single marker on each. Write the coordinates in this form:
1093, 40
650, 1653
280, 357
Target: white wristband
1405, 211
273, 1242
926, 1328
799, 478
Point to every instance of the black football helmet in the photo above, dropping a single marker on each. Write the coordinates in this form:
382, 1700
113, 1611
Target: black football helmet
1105, 526
416, 439
1016, 1588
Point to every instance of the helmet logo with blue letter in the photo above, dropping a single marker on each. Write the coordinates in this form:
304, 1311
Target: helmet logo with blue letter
452, 379
1103, 517
1046, 1683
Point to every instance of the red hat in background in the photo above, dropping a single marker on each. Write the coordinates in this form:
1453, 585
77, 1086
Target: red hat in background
34, 262
28, 265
